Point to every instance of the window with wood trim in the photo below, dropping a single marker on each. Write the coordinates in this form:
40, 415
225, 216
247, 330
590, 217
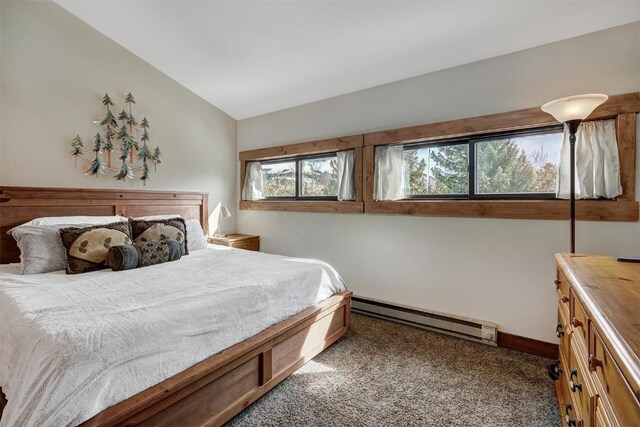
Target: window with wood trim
301, 178
316, 176
490, 200
513, 165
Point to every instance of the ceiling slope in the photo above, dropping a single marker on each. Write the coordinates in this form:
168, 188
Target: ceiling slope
254, 57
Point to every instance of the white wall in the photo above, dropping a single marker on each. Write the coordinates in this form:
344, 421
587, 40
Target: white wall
496, 270
55, 70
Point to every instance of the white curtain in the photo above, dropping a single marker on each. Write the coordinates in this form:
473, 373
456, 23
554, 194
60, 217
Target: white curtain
388, 177
597, 162
252, 189
346, 190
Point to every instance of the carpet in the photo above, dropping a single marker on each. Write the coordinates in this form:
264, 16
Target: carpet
387, 374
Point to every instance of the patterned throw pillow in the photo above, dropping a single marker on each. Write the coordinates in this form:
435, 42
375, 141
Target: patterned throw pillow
87, 247
160, 229
125, 257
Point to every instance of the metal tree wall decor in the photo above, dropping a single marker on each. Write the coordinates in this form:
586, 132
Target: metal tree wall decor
133, 140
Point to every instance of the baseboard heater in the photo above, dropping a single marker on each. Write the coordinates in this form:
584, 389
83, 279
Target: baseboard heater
462, 327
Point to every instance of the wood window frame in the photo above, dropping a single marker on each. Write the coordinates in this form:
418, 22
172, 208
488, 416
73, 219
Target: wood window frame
325, 146
622, 108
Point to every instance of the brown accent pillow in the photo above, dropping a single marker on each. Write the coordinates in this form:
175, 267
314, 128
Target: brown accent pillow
87, 247
160, 229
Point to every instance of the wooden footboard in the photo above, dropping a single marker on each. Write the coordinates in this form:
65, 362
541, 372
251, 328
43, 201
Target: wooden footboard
216, 389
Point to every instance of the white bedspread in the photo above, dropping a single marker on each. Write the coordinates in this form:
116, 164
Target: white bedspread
73, 345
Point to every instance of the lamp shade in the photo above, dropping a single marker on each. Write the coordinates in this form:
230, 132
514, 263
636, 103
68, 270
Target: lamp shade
576, 107
225, 212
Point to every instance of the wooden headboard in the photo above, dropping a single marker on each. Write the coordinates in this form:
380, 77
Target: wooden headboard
21, 204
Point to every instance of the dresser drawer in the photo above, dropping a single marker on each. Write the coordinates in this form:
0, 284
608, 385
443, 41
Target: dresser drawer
570, 412
579, 319
562, 287
581, 386
601, 417
571, 416
563, 331
614, 388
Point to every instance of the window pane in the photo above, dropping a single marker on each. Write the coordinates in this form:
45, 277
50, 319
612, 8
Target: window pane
279, 179
319, 177
519, 164
437, 170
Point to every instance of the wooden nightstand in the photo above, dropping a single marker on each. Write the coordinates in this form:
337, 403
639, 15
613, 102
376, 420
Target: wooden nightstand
239, 241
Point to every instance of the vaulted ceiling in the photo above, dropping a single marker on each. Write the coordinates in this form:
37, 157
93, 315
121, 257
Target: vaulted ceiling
254, 57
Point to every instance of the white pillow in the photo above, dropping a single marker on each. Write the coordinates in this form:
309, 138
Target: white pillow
76, 220
41, 249
195, 235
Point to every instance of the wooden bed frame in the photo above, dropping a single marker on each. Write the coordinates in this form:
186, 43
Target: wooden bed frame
216, 389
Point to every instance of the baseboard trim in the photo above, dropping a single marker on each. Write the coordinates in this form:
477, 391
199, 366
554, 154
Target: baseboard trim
528, 345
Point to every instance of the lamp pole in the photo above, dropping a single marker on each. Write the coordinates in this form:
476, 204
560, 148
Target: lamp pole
572, 127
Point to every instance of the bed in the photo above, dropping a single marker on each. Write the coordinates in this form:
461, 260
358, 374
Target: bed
298, 308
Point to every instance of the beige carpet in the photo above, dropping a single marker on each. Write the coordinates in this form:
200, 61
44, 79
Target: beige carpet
386, 374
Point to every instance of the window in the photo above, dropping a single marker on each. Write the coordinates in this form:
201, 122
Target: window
279, 179
437, 170
319, 177
500, 166
313, 178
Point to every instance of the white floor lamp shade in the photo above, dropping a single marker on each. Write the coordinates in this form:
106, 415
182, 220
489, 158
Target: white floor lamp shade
577, 107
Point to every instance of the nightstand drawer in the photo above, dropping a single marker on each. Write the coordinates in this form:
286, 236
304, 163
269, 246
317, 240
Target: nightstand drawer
249, 245
239, 241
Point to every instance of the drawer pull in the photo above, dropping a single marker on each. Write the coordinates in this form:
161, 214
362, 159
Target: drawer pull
554, 370
573, 373
559, 331
557, 283
568, 408
575, 386
594, 362
564, 298
575, 322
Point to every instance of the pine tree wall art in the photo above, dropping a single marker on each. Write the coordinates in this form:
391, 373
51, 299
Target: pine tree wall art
124, 132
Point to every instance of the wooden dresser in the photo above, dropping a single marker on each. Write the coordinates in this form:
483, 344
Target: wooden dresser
599, 331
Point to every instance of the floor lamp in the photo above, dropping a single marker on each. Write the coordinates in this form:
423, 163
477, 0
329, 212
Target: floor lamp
571, 111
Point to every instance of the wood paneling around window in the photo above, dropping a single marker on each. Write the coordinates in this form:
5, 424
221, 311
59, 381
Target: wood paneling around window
303, 148
622, 108
514, 120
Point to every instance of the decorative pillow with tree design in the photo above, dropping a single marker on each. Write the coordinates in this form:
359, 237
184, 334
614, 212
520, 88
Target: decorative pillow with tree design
87, 247
160, 229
